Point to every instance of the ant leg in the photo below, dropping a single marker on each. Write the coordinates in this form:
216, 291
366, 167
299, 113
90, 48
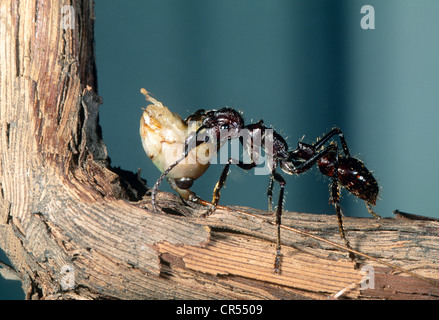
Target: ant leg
222, 181
335, 199
218, 187
278, 258
370, 210
270, 193
329, 135
335, 196
321, 142
220, 184
160, 180
274, 176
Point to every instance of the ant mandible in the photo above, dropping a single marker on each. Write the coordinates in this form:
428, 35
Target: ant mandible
344, 170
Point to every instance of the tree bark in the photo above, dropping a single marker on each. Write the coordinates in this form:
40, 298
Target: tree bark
76, 228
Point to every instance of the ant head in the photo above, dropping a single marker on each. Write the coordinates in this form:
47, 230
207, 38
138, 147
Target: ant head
223, 124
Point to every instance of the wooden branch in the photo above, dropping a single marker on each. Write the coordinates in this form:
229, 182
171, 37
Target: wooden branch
76, 228
238, 249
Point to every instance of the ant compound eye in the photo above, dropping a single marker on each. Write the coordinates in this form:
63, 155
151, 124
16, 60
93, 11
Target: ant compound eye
184, 183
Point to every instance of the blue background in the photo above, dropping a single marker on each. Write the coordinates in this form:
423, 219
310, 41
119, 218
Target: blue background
302, 66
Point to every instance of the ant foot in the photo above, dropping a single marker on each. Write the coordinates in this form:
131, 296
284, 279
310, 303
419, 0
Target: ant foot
209, 211
270, 207
370, 209
277, 262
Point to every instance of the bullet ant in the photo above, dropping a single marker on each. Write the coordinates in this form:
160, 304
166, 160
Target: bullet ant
345, 171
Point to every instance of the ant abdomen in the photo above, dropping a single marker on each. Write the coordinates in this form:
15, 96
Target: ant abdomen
352, 175
357, 179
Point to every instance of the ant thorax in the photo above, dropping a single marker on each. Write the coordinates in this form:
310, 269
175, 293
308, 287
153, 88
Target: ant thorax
163, 136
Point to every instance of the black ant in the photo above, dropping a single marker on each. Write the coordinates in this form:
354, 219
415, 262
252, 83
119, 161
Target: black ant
344, 170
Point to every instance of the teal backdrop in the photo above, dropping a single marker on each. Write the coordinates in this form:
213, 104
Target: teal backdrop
302, 66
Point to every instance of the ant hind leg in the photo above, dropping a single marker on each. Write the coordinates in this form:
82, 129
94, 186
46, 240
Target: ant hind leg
370, 209
278, 258
335, 199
